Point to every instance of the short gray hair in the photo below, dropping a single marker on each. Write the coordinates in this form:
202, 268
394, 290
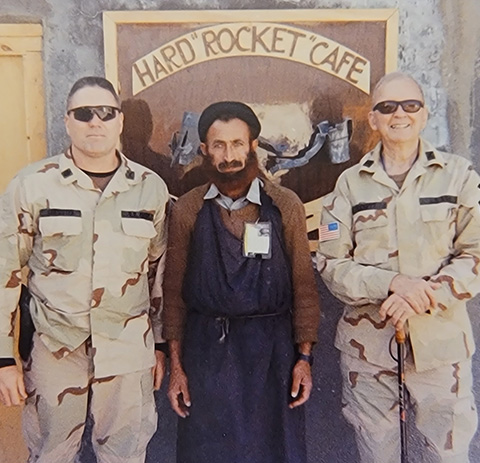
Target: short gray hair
392, 76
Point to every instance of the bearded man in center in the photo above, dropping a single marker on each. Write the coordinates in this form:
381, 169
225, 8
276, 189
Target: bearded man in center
241, 305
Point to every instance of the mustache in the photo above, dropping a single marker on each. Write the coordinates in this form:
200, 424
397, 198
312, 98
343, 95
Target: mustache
229, 164
233, 184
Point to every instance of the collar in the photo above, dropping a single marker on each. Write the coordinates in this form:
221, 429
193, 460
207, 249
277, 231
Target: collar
127, 173
428, 156
252, 196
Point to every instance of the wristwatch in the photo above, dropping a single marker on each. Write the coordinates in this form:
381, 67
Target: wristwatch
307, 357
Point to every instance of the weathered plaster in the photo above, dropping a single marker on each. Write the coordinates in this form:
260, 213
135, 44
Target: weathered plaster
461, 69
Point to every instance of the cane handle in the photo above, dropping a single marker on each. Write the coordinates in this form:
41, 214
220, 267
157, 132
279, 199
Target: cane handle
400, 336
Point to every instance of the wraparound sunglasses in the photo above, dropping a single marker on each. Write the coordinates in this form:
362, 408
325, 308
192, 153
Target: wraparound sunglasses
86, 113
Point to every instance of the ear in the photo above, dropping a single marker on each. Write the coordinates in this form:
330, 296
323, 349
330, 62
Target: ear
372, 120
121, 122
66, 120
255, 144
203, 147
425, 115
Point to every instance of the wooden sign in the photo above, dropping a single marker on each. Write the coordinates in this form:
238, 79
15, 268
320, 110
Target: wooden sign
251, 39
306, 73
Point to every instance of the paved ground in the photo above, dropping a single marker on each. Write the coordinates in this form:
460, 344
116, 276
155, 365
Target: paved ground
329, 438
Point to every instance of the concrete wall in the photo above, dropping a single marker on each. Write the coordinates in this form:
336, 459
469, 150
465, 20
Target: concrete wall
439, 44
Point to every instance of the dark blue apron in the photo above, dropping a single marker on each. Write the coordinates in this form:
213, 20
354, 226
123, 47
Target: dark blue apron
238, 349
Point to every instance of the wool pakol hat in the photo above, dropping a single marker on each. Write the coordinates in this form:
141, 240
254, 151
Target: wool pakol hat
228, 110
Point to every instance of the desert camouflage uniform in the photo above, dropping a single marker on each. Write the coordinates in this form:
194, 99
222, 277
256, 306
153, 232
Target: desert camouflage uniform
88, 253
428, 228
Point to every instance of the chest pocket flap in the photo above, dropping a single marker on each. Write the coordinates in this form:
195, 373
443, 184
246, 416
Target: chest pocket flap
369, 215
138, 223
61, 232
138, 230
64, 222
370, 227
438, 208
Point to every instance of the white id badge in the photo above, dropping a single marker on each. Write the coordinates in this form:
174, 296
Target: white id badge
257, 240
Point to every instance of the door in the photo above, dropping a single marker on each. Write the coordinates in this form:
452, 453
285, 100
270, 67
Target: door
22, 122
22, 141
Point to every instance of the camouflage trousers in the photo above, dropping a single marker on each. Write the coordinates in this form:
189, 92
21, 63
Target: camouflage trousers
62, 392
445, 411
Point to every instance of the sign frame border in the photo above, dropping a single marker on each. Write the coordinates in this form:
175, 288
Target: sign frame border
112, 19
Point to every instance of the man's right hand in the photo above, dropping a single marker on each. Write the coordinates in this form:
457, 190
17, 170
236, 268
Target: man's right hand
397, 310
178, 391
418, 292
12, 387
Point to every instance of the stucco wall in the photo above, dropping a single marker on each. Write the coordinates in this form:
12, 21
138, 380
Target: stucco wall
439, 44
460, 65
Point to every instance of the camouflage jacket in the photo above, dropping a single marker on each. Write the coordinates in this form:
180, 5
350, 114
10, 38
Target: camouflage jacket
429, 228
88, 254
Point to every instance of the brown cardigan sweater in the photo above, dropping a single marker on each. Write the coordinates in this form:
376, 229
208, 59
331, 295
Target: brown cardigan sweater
306, 303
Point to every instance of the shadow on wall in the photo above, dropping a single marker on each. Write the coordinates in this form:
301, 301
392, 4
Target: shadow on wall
137, 132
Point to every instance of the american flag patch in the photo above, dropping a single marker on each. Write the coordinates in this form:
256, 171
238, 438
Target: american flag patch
330, 231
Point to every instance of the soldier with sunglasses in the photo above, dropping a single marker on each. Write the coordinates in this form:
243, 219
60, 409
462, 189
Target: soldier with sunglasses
405, 255
89, 225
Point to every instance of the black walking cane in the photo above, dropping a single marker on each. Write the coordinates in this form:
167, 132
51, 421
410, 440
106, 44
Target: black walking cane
400, 338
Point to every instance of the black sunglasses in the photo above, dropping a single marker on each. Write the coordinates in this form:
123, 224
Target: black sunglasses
86, 113
389, 107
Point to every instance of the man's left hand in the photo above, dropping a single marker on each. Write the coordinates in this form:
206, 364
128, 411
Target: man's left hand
159, 369
301, 383
419, 293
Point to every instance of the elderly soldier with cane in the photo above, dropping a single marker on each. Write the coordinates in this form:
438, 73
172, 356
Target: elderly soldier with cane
403, 252
241, 305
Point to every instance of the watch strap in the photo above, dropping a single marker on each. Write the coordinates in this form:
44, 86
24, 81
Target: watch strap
306, 357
